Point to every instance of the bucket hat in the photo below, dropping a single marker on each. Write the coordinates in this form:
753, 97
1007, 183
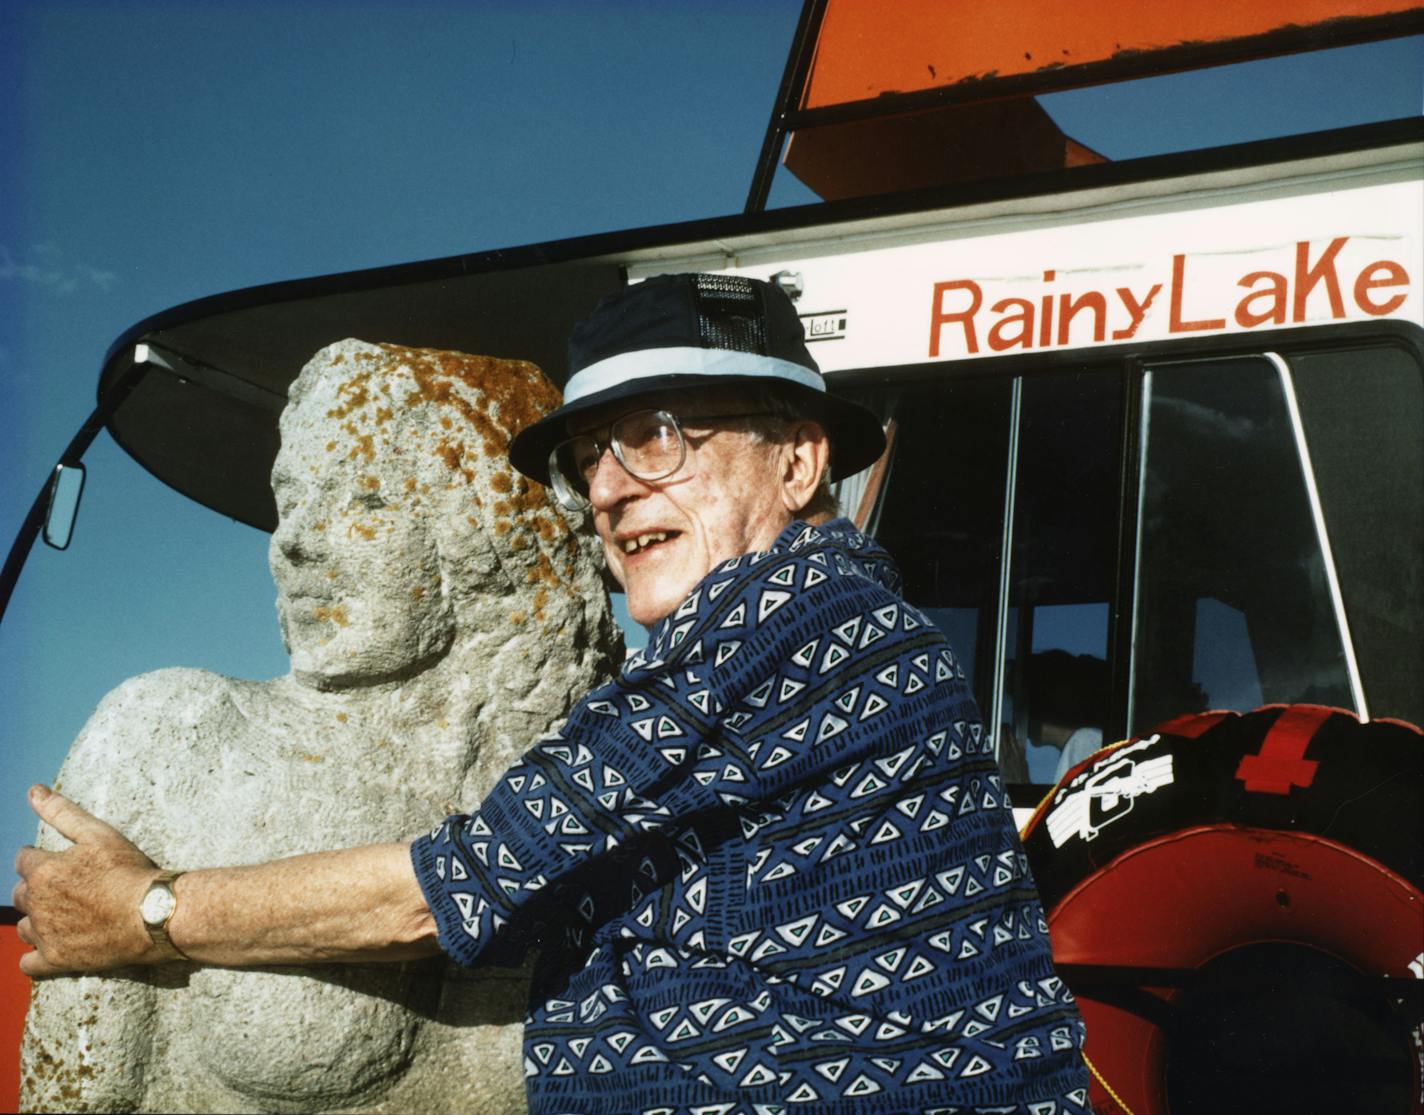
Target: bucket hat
689, 332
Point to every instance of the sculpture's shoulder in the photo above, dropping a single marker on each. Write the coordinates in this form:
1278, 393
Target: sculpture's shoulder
151, 715
175, 696
144, 731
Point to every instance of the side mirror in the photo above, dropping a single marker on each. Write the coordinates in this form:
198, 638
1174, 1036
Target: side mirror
66, 485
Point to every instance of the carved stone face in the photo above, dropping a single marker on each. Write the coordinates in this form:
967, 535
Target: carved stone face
359, 593
401, 526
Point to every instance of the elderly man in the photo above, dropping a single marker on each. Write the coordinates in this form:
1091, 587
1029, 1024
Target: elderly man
771, 866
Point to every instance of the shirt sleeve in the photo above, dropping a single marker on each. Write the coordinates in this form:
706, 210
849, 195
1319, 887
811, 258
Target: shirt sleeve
582, 799
554, 840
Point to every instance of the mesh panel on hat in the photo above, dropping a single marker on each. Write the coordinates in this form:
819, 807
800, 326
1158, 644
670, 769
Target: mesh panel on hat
729, 314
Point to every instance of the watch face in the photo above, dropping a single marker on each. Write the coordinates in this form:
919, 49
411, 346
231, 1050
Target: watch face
157, 905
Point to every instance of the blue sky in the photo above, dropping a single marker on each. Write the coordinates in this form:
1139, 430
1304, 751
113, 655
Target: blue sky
154, 152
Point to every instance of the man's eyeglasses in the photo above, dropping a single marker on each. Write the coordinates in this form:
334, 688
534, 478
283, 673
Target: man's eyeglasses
649, 444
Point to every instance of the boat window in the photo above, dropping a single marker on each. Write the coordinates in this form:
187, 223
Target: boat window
1362, 411
941, 513
1055, 700
1248, 589
942, 517
1235, 605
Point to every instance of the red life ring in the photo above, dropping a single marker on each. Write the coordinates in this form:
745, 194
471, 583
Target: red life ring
1237, 902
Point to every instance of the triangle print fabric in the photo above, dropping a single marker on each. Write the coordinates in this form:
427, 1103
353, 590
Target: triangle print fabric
771, 868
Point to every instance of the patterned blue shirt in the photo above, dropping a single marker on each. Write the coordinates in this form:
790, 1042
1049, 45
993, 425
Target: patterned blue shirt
770, 868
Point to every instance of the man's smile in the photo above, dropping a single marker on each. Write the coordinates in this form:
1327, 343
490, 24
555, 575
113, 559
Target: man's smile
638, 543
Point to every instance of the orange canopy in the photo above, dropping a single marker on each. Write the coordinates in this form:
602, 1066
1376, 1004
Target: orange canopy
907, 94
867, 48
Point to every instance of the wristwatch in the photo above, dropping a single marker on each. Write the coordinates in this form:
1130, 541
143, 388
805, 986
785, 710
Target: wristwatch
156, 909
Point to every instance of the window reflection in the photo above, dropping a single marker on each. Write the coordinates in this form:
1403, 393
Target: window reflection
1231, 574
942, 511
1061, 579
1233, 605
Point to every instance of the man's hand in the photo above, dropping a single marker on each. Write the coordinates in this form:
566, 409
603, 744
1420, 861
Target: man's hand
79, 907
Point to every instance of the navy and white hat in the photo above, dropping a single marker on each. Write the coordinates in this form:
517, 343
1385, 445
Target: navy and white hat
676, 332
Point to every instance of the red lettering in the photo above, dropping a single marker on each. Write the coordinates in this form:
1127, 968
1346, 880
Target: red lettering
1307, 277
1068, 308
1394, 275
939, 318
1177, 323
1135, 309
1275, 311
1045, 314
998, 341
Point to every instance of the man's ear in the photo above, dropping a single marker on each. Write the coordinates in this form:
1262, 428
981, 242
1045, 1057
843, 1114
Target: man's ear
806, 454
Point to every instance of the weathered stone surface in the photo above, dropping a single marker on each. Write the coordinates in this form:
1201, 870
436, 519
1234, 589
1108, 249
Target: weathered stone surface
440, 613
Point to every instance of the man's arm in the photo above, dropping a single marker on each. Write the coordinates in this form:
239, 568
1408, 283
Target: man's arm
80, 906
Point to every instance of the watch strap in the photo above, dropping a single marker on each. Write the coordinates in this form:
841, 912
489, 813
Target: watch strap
158, 933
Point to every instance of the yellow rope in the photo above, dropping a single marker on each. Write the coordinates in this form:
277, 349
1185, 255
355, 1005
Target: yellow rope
1117, 1099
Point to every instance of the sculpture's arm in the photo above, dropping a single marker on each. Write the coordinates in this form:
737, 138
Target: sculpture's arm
80, 906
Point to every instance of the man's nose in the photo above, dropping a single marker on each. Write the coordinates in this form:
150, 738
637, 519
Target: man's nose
612, 483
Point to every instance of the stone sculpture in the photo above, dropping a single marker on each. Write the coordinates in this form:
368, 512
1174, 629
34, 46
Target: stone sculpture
440, 614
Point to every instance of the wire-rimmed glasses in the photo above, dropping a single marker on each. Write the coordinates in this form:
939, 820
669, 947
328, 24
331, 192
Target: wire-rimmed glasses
648, 444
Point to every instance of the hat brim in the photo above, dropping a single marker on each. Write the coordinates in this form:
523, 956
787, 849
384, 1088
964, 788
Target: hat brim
857, 437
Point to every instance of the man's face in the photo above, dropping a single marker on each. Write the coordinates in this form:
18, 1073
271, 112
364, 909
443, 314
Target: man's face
661, 537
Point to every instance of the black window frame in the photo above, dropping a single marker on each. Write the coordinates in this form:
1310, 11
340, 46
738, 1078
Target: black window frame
1132, 361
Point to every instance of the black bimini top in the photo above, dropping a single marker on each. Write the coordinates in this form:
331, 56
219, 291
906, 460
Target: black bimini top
207, 380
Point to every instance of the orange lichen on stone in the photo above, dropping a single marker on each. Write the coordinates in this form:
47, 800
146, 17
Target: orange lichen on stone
306, 757
542, 573
330, 445
477, 404
365, 447
336, 614
418, 592
453, 454
342, 717
526, 506
320, 524
354, 394
509, 394
358, 527
370, 483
